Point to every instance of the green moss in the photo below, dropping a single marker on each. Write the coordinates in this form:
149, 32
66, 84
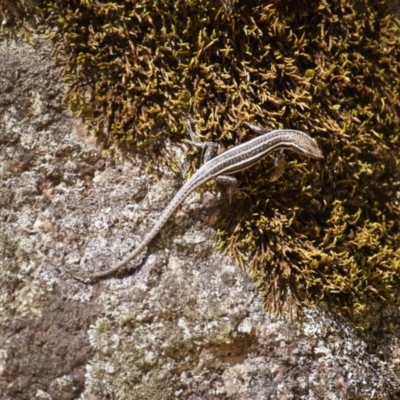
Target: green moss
21, 17
325, 231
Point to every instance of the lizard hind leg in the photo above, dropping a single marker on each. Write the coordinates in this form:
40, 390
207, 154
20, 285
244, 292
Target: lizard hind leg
209, 149
230, 183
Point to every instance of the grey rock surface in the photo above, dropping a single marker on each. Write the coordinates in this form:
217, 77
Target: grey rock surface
186, 323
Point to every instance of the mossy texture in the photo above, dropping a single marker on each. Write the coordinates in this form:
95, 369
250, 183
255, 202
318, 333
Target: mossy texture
325, 231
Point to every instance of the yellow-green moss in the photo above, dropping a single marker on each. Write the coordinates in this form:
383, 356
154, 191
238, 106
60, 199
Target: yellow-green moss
326, 231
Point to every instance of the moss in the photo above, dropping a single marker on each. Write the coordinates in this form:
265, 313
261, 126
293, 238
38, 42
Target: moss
22, 17
323, 232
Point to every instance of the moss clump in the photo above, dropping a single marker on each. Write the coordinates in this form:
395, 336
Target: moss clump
323, 232
21, 17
